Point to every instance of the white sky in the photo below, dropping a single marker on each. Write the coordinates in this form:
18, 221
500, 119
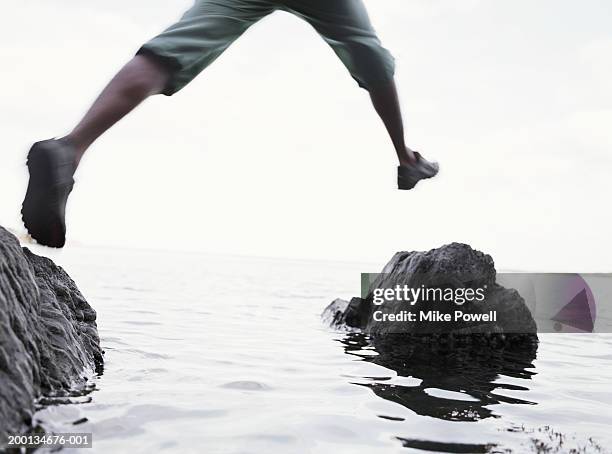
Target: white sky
274, 150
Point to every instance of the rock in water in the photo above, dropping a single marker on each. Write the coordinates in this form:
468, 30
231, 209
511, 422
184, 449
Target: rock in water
463, 361
454, 266
49, 341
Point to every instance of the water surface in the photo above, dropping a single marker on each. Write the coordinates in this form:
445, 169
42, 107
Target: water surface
229, 355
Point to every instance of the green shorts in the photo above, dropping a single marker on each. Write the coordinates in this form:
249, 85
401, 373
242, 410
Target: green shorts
210, 26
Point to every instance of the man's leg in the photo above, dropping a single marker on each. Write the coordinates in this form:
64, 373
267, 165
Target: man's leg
168, 62
140, 78
386, 102
163, 65
346, 27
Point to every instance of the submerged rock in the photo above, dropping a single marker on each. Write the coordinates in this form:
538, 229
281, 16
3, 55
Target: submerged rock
451, 267
49, 342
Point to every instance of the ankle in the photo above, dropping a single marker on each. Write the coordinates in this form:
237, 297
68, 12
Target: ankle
406, 157
78, 147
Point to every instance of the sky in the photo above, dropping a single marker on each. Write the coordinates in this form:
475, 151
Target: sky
274, 150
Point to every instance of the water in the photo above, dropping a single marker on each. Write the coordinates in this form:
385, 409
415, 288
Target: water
229, 355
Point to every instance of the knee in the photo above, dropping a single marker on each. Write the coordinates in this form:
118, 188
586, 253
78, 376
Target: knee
143, 76
370, 64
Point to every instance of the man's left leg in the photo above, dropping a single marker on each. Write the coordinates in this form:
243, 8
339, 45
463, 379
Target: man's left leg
346, 27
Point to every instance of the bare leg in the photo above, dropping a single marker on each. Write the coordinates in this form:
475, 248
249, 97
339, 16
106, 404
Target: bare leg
386, 102
140, 78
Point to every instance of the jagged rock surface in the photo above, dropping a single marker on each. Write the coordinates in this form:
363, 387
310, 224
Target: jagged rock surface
452, 266
48, 334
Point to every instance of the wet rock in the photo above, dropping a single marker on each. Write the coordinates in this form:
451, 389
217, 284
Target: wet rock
450, 267
49, 343
445, 371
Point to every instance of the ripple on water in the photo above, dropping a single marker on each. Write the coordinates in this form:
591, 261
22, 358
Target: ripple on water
246, 385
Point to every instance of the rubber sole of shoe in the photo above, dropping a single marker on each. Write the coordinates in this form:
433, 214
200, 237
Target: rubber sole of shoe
42, 215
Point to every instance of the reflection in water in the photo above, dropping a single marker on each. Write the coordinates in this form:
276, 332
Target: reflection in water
457, 382
457, 448
464, 368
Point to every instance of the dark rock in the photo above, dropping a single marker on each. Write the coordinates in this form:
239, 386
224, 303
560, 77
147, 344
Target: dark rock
463, 361
454, 266
49, 342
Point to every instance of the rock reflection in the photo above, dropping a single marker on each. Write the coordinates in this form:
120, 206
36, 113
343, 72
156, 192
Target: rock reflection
448, 368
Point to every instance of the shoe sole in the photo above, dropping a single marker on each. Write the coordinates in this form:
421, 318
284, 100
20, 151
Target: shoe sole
44, 221
407, 182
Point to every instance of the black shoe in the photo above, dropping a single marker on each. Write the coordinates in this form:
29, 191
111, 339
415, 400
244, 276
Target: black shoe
409, 176
51, 164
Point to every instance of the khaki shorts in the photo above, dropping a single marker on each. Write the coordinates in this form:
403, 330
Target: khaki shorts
210, 26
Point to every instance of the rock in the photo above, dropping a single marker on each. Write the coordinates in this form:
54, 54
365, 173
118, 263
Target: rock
49, 343
462, 361
454, 266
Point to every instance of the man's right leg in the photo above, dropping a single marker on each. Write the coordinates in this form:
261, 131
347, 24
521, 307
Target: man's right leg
346, 27
163, 65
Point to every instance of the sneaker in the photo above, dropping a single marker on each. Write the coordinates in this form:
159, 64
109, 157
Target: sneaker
409, 176
51, 164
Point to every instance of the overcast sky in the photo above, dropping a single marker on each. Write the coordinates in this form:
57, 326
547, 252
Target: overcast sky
275, 151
